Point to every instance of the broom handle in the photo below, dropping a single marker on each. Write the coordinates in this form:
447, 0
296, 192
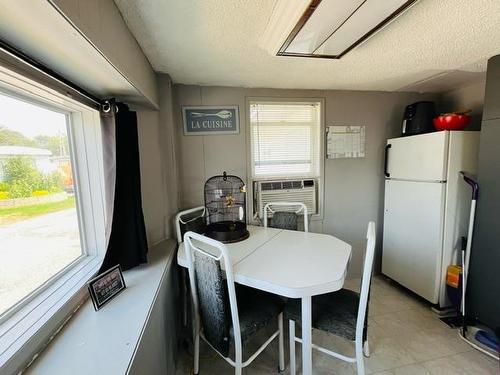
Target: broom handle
475, 194
470, 233
468, 247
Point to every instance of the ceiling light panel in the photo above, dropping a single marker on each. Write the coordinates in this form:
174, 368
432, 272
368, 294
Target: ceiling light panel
327, 17
366, 18
331, 28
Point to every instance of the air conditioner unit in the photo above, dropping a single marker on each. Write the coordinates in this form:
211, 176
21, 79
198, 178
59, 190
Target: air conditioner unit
303, 191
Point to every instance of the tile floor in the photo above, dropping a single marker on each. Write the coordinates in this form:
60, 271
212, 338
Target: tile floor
405, 338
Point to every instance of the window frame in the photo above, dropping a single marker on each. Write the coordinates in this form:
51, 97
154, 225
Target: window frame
27, 326
321, 152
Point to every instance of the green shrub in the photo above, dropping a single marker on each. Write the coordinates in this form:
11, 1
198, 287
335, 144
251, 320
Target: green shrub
23, 178
20, 189
21, 168
4, 186
53, 182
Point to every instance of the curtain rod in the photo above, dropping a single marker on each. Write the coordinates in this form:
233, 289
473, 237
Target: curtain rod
21, 56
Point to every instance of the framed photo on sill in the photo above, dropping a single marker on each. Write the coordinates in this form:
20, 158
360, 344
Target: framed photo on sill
106, 286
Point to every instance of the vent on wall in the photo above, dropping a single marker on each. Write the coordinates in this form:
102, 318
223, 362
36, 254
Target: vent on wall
303, 191
331, 28
280, 185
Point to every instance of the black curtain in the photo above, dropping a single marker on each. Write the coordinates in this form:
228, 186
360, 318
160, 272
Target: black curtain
125, 229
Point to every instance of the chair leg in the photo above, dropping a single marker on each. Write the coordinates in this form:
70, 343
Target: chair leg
238, 358
360, 364
366, 349
291, 331
196, 365
185, 297
281, 349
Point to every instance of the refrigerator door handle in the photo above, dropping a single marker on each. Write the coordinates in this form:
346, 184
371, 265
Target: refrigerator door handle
386, 160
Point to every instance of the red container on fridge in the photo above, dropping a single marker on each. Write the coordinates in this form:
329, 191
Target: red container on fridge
452, 121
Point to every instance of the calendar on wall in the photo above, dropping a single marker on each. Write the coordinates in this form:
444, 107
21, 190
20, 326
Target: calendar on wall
344, 142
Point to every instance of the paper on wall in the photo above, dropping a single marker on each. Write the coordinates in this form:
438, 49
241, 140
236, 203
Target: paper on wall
345, 142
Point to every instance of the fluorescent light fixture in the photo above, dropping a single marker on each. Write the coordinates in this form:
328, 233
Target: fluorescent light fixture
331, 28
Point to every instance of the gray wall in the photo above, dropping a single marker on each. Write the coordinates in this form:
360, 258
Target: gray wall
156, 353
102, 23
157, 350
158, 165
153, 197
169, 152
467, 97
353, 187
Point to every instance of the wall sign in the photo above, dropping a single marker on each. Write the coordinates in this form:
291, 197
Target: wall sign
105, 286
211, 120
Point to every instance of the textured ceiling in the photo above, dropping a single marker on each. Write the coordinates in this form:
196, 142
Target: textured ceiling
218, 42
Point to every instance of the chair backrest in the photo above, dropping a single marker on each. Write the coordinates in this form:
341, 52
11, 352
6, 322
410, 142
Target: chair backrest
190, 220
214, 299
286, 217
366, 280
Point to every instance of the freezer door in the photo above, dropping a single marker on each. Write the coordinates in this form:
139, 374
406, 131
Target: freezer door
419, 158
413, 235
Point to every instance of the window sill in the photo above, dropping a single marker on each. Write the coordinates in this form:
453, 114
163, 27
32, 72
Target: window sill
25, 329
105, 342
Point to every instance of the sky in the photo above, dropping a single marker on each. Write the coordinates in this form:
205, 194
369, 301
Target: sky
29, 119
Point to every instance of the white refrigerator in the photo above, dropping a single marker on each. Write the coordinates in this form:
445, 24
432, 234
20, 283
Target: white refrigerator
426, 208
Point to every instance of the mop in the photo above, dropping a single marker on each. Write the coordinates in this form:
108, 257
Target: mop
481, 340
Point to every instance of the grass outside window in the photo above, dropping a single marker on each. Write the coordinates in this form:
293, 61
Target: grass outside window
15, 214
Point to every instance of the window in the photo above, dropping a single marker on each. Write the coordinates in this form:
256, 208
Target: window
51, 212
39, 226
285, 139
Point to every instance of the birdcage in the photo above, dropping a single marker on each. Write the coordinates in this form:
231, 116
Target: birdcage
225, 202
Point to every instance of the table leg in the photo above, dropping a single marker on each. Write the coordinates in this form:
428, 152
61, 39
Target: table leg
306, 336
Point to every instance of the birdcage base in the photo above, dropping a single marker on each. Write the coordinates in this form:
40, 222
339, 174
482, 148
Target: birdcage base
227, 231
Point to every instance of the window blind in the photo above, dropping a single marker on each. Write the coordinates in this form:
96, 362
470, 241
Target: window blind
285, 139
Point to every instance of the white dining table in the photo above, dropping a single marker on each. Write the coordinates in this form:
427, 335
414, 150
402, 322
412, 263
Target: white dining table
291, 264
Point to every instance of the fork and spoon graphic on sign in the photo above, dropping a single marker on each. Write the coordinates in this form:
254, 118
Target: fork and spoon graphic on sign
224, 114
